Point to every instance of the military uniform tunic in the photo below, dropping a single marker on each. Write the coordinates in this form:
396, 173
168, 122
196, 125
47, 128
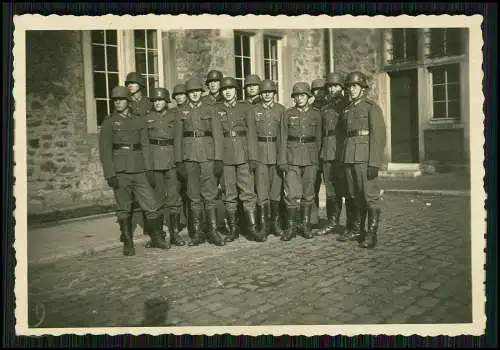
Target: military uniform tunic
198, 143
300, 146
268, 129
125, 153
161, 132
364, 142
239, 148
211, 100
140, 107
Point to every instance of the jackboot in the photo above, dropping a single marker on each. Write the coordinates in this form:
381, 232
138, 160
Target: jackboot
252, 230
291, 230
157, 240
275, 219
147, 224
336, 211
352, 230
126, 233
332, 220
265, 218
232, 234
373, 225
196, 233
173, 228
362, 229
306, 220
299, 223
213, 235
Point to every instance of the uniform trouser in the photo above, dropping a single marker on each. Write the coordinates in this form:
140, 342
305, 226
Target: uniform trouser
239, 178
317, 187
268, 183
168, 190
135, 187
333, 176
299, 185
366, 193
201, 185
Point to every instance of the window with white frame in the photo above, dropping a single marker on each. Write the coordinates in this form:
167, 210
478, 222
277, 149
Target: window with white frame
272, 60
442, 42
108, 56
400, 45
445, 91
242, 59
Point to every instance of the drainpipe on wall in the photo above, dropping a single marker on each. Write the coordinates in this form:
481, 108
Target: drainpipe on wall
330, 47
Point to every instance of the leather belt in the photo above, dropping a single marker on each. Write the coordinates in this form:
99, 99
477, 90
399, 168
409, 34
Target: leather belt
235, 133
197, 133
330, 133
267, 138
131, 147
162, 142
360, 132
302, 139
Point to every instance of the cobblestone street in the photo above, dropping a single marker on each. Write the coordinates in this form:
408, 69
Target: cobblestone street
418, 273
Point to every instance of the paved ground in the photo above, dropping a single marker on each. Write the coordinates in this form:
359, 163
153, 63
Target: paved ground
419, 273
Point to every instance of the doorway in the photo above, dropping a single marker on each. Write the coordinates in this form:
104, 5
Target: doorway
404, 117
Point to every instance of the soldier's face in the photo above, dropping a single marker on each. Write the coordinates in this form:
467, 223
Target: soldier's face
133, 87
301, 100
180, 98
267, 96
252, 90
316, 92
159, 105
214, 87
229, 94
334, 90
194, 96
121, 104
354, 90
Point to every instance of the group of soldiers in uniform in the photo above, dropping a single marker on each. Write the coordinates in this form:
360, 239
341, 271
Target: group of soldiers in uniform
254, 154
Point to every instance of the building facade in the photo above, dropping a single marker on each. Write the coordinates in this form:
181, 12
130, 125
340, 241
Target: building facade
418, 76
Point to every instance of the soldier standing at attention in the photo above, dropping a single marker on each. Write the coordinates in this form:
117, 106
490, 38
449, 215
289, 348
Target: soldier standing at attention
127, 165
161, 132
252, 86
198, 148
240, 155
330, 154
365, 138
268, 181
298, 158
214, 78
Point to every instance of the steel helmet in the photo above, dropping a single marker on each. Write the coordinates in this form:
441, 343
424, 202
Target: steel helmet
317, 84
193, 84
268, 85
214, 75
179, 89
229, 82
252, 79
334, 79
356, 78
119, 92
301, 88
160, 94
134, 77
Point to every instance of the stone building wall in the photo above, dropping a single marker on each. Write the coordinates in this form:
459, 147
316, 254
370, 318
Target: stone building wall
63, 164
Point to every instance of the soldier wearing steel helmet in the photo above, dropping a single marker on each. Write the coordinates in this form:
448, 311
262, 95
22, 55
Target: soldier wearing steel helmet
298, 159
363, 155
198, 148
330, 154
161, 132
213, 80
127, 165
268, 180
252, 86
179, 95
240, 155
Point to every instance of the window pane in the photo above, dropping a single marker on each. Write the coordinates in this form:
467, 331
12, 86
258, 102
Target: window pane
411, 44
139, 38
246, 45
153, 62
438, 76
246, 67
112, 58
101, 110
266, 49
439, 92
237, 45
98, 58
112, 81
111, 37
237, 63
98, 36
152, 40
398, 44
153, 83
439, 109
100, 85
274, 70
267, 70
274, 49
454, 109
453, 92
453, 74
437, 41
140, 60
453, 41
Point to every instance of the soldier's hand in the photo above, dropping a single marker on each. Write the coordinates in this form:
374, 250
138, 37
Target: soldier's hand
181, 170
218, 168
252, 164
372, 172
112, 182
151, 178
283, 168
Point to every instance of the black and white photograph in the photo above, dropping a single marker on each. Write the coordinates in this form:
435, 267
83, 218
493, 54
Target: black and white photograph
249, 175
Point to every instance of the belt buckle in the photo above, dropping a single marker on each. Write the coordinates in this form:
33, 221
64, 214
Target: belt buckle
364, 133
197, 133
233, 133
126, 147
301, 139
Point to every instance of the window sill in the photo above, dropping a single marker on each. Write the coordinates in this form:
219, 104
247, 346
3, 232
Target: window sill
444, 123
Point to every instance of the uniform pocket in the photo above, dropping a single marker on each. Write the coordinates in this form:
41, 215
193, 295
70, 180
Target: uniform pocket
361, 151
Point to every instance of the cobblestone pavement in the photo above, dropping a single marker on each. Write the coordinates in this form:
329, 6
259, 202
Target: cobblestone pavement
418, 273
